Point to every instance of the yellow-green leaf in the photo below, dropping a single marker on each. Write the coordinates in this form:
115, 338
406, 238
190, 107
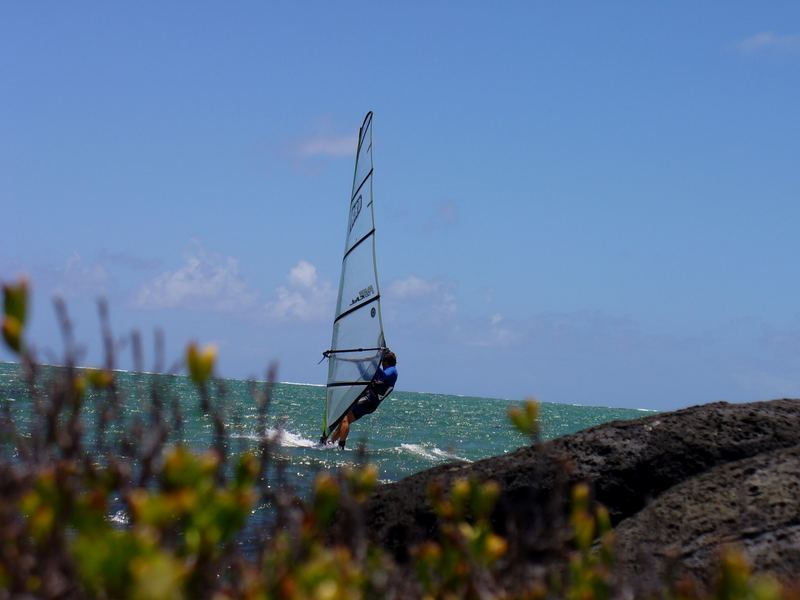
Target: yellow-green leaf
12, 333
200, 362
15, 300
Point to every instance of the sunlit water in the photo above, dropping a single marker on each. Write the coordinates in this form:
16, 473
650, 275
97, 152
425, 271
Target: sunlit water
409, 432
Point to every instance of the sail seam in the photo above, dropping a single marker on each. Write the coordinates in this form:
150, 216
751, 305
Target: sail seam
355, 308
363, 181
358, 243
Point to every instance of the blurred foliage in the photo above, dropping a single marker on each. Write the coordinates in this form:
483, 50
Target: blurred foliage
15, 309
185, 511
526, 418
459, 565
200, 363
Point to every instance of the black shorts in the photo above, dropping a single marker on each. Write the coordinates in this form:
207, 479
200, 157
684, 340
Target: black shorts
366, 404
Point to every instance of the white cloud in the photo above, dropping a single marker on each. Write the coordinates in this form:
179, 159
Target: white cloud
79, 277
413, 287
205, 281
304, 299
769, 40
495, 335
335, 146
448, 305
303, 274
428, 300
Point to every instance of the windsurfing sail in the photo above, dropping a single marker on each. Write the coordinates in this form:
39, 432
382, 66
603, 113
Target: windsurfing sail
358, 342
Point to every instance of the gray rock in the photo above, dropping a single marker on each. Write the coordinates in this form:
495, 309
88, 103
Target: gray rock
628, 464
753, 504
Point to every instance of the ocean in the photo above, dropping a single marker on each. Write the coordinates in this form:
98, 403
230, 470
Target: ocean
411, 431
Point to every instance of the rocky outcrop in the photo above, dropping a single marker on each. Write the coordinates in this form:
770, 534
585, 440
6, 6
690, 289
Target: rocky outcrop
630, 465
753, 503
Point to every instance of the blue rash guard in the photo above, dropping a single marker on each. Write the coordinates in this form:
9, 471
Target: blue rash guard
382, 382
385, 379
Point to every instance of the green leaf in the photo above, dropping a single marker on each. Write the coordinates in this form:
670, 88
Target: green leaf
15, 300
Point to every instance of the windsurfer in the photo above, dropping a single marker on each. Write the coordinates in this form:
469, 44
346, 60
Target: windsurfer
370, 399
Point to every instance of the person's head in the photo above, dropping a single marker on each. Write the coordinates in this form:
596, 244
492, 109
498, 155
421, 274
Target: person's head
389, 359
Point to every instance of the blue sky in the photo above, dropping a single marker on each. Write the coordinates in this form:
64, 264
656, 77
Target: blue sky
588, 203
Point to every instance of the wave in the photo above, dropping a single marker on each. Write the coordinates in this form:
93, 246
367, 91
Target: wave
120, 517
282, 437
434, 454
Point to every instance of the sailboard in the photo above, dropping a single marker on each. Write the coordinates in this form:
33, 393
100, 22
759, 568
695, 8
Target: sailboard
358, 342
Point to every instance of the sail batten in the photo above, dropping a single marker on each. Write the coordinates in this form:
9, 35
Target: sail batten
354, 246
357, 342
360, 185
355, 308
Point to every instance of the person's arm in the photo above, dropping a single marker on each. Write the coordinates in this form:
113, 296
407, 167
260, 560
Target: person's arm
362, 368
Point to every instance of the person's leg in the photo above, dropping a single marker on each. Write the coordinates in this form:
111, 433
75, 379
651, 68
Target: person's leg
337, 432
368, 403
344, 428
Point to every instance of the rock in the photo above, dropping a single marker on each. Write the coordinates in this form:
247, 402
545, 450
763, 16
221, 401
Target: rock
753, 504
628, 464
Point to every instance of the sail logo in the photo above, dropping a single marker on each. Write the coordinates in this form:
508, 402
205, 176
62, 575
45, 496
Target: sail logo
363, 294
355, 210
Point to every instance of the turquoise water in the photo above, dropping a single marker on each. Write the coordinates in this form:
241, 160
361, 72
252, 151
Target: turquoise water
411, 431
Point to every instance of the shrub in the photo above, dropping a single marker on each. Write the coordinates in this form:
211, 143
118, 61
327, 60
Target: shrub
187, 510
